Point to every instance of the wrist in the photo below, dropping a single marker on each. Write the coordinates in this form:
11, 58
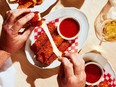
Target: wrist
4, 50
4, 53
3, 56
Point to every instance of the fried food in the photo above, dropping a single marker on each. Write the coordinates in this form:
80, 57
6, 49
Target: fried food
25, 5
46, 51
62, 48
39, 2
43, 48
36, 20
103, 84
28, 3
42, 39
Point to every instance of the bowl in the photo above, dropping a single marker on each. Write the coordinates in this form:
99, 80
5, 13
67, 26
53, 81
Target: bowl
68, 28
94, 73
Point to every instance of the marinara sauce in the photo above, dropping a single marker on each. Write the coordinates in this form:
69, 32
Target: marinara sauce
69, 27
93, 73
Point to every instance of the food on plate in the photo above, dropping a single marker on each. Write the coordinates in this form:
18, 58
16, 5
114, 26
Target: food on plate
27, 3
38, 2
103, 84
24, 5
109, 31
62, 48
36, 20
46, 51
42, 39
43, 48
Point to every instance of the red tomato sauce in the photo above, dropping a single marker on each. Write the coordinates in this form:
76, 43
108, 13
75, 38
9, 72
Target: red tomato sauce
93, 73
69, 27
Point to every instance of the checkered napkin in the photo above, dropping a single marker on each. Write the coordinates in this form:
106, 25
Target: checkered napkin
110, 79
74, 48
74, 43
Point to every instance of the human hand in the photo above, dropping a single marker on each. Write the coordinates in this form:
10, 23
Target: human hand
11, 40
72, 71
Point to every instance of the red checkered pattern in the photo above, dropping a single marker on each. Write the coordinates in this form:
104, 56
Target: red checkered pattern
72, 48
111, 80
39, 30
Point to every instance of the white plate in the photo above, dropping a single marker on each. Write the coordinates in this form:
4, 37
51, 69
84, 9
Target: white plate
96, 57
73, 12
41, 8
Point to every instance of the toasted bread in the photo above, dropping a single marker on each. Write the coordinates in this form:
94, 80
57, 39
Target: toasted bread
26, 5
34, 3
38, 2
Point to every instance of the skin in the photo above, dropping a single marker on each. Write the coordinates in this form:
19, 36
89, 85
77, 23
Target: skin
11, 40
72, 71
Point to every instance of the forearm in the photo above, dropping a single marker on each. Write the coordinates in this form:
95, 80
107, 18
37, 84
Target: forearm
3, 57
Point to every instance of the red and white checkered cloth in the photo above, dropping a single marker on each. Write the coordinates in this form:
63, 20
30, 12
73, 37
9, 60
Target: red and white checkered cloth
111, 80
72, 48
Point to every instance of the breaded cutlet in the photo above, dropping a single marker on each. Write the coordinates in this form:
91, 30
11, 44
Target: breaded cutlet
42, 39
46, 51
62, 48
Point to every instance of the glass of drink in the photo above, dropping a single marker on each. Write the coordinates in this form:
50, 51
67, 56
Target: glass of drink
105, 23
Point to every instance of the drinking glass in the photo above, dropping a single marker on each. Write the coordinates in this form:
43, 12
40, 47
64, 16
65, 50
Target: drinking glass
105, 23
